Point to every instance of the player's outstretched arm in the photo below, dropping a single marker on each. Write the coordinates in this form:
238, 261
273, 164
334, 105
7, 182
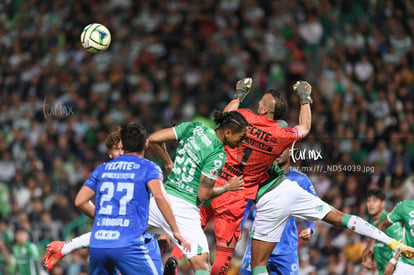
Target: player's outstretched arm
82, 201
160, 195
243, 87
157, 143
304, 90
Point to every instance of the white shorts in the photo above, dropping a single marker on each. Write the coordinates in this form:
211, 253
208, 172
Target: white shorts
287, 200
403, 268
188, 220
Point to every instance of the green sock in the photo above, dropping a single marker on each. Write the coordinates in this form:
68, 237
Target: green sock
201, 272
260, 270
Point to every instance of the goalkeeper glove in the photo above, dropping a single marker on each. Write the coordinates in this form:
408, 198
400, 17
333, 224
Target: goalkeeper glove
243, 87
303, 89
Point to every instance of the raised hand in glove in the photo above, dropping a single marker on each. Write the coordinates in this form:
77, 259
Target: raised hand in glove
304, 90
243, 87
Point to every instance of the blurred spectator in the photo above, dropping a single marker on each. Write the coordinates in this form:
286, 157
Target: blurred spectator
26, 253
178, 61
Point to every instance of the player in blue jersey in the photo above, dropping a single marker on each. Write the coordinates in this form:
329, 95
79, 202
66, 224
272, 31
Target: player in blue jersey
56, 250
122, 188
284, 258
199, 159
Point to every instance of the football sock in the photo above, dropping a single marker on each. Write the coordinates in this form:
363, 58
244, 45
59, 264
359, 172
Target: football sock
176, 252
201, 272
77, 243
260, 270
222, 261
362, 227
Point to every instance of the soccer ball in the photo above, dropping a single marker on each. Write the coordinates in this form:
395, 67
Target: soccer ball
95, 38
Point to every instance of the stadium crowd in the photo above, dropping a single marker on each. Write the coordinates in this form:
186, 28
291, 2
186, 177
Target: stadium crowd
175, 61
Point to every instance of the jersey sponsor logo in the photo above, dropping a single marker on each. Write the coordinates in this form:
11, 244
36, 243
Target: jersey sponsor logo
256, 132
193, 143
189, 150
411, 214
304, 154
118, 175
122, 165
199, 130
258, 144
410, 222
225, 175
234, 170
107, 235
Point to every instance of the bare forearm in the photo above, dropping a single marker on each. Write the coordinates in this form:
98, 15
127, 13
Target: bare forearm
232, 105
217, 191
88, 209
305, 119
161, 152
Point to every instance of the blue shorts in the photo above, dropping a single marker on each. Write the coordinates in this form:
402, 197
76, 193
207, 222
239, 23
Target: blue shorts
277, 264
128, 260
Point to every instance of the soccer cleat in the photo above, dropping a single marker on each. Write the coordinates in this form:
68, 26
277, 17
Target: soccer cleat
243, 88
406, 251
53, 255
170, 267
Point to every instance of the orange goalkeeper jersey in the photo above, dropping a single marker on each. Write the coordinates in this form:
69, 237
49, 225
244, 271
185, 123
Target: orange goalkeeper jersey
265, 141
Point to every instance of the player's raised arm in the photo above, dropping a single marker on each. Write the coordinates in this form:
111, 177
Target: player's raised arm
304, 89
157, 142
243, 87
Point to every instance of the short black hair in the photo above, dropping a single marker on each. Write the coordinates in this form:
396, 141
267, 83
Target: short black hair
230, 120
377, 193
280, 103
133, 137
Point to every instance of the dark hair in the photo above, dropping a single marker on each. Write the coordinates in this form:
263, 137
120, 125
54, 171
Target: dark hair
280, 103
230, 120
133, 137
376, 193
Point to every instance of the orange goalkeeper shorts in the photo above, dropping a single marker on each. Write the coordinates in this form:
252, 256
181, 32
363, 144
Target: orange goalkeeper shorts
227, 211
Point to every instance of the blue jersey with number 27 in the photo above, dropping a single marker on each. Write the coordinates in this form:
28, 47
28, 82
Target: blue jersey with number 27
122, 200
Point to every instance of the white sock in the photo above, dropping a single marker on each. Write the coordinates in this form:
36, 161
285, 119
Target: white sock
77, 243
362, 227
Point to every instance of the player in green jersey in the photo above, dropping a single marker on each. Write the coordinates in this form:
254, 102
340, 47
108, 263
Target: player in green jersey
384, 258
402, 212
278, 199
200, 156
